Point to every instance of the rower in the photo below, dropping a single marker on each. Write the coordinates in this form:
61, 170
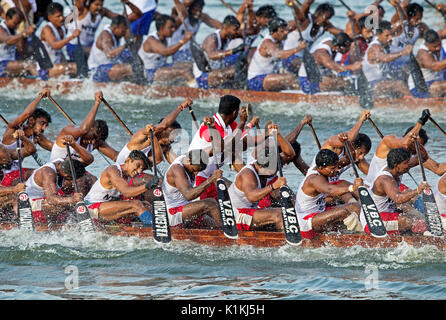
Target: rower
324, 54
179, 192
364, 36
156, 50
215, 47
193, 15
90, 14
54, 38
313, 26
387, 193
104, 200
43, 186
140, 27
433, 64
91, 134
376, 63
8, 201
439, 191
313, 214
263, 71
103, 61
33, 121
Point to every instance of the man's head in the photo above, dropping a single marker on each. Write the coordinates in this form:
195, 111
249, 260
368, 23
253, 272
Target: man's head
165, 25
327, 163
432, 41
5, 158
95, 6
99, 132
384, 32
324, 12
264, 14
119, 26
196, 161
169, 135
229, 106
13, 18
422, 140
342, 42
362, 146
39, 121
367, 33
195, 9
64, 169
277, 28
55, 14
414, 13
267, 161
136, 163
231, 27
398, 160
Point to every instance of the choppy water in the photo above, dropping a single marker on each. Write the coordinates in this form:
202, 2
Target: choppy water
43, 266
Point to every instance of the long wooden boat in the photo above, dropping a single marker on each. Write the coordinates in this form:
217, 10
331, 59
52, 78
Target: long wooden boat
261, 239
70, 86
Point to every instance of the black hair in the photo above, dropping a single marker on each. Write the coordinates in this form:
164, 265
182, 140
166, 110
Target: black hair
174, 125
423, 134
139, 155
397, 156
118, 20
89, 2
361, 22
14, 11
196, 3
40, 113
53, 8
275, 24
231, 20
383, 26
198, 156
266, 11
431, 36
362, 140
326, 7
413, 9
326, 157
79, 168
228, 104
161, 21
101, 129
342, 40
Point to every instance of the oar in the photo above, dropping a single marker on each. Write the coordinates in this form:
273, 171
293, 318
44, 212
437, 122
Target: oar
194, 118
366, 99
415, 70
227, 5
24, 211
432, 215
137, 63
34, 155
435, 7
315, 136
79, 54
250, 112
83, 217
39, 52
437, 125
311, 68
368, 207
289, 216
117, 117
160, 222
241, 64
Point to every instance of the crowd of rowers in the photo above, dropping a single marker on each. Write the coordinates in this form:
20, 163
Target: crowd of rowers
123, 191
275, 63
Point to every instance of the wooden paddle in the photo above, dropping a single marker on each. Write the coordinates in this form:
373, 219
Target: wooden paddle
366, 99
311, 67
315, 136
289, 217
227, 215
376, 128
38, 51
227, 5
437, 125
117, 117
368, 207
24, 211
435, 7
194, 118
432, 215
414, 67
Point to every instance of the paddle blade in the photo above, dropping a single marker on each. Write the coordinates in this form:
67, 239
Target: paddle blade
432, 215
138, 69
40, 54
26, 221
241, 71
417, 75
81, 61
83, 218
371, 214
289, 216
199, 57
226, 212
160, 222
366, 98
313, 72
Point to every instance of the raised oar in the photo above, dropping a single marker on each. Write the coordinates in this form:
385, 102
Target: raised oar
289, 216
366, 99
376, 128
38, 52
368, 207
227, 5
250, 112
24, 211
311, 68
227, 215
415, 70
315, 136
34, 155
435, 7
432, 215
160, 222
83, 217
194, 118
437, 125
117, 117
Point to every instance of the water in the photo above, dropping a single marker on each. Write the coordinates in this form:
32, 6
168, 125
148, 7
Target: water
44, 266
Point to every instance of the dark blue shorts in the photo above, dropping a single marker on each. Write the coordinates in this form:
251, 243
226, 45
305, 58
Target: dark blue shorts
3, 65
256, 83
202, 81
422, 95
308, 87
230, 60
286, 63
142, 25
150, 73
101, 73
183, 56
71, 48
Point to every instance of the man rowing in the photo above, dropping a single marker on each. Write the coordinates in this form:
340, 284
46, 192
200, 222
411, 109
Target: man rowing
156, 50
263, 71
33, 121
104, 200
313, 214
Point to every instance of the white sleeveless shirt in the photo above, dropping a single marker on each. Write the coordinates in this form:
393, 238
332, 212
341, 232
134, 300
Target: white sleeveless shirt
7, 52
35, 191
59, 152
173, 197
178, 35
152, 60
293, 39
98, 193
214, 64
375, 71
238, 197
124, 153
88, 28
306, 204
383, 203
440, 198
428, 74
15, 163
376, 165
324, 71
97, 57
56, 56
262, 65
399, 42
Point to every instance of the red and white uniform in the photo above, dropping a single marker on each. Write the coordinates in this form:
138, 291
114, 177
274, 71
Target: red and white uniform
99, 194
175, 201
243, 208
440, 199
10, 175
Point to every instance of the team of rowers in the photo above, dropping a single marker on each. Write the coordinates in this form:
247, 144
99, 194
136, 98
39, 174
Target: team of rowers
275, 63
123, 191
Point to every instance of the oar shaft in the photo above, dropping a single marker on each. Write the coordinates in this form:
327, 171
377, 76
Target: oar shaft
61, 110
152, 137
73, 172
19, 158
350, 157
420, 160
117, 117
437, 125
227, 5
191, 111
376, 128
279, 160
315, 136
